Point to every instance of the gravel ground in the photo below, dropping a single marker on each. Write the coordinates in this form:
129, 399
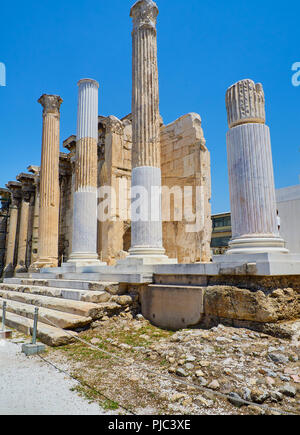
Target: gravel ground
28, 386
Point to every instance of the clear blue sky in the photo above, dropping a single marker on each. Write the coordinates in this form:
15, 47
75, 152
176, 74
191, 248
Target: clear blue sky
204, 47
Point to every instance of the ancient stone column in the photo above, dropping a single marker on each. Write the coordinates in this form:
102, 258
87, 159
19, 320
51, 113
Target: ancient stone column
146, 229
49, 183
84, 238
4, 209
35, 224
251, 178
27, 181
15, 190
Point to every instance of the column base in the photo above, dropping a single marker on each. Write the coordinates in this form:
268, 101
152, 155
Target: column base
80, 259
43, 263
20, 268
146, 256
8, 271
257, 245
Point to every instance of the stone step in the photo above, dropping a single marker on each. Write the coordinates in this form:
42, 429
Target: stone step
130, 278
47, 316
47, 334
85, 309
71, 294
82, 284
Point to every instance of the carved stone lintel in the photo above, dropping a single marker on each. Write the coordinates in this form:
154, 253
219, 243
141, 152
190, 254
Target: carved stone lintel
50, 103
144, 14
245, 103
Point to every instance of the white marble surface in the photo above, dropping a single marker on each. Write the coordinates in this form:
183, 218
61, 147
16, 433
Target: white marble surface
252, 190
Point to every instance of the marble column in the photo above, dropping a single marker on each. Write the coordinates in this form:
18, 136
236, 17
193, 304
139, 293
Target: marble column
49, 183
15, 190
27, 181
146, 229
251, 178
84, 237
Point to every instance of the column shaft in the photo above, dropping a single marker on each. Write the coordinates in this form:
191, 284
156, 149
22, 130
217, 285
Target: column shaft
251, 177
23, 237
146, 221
84, 237
49, 183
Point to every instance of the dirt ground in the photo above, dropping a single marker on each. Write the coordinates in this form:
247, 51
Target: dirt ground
216, 368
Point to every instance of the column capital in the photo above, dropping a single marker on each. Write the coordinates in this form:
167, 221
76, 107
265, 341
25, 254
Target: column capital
15, 190
112, 124
4, 198
144, 14
50, 103
245, 103
70, 144
88, 81
28, 185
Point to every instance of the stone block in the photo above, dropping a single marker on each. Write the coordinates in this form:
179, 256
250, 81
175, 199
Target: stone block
33, 349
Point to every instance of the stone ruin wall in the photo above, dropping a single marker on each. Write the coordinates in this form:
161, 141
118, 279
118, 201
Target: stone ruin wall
185, 161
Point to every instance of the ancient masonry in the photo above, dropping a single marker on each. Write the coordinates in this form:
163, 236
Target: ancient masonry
51, 216
56, 254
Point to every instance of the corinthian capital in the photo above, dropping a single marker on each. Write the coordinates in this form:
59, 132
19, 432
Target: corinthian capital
245, 103
144, 14
50, 103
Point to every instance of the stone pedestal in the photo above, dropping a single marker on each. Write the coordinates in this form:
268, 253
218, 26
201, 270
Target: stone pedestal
251, 179
49, 183
146, 220
84, 240
15, 190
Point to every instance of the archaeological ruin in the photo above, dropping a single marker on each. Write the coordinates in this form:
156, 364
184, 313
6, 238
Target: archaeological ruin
125, 213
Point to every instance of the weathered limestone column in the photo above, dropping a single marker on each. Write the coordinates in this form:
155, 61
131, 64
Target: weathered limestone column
27, 192
35, 170
4, 209
49, 183
146, 229
251, 178
84, 238
15, 190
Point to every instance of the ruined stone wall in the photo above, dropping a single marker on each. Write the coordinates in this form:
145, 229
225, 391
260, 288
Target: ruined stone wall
185, 161
65, 209
116, 172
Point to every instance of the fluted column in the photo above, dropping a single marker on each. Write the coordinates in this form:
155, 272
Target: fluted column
146, 223
4, 209
49, 183
27, 193
251, 178
15, 190
84, 237
35, 219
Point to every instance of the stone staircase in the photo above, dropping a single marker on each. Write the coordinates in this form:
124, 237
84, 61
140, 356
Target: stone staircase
65, 306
